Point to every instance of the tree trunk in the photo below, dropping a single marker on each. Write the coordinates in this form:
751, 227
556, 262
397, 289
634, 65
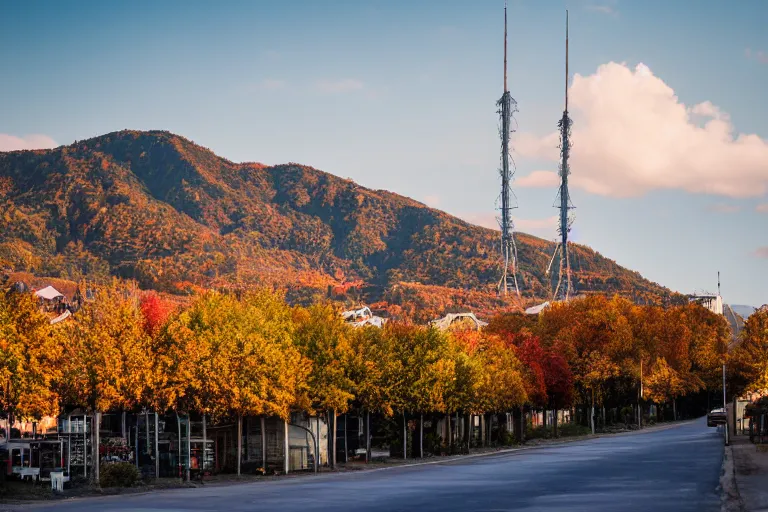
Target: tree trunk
554, 421
346, 448
334, 438
522, 424
368, 436
458, 433
239, 442
95, 449
449, 437
405, 437
592, 413
157, 446
189, 445
421, 436
544, 418
286, 448
674, 409
264, 444
468, 432
205, 445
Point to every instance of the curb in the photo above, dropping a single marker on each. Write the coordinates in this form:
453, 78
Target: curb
730, 499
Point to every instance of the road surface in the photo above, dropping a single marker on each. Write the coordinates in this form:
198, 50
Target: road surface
674, 469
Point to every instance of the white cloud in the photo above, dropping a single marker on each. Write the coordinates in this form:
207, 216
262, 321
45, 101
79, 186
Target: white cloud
13, 143
631, 135
724, 208
762, 252
539, 179
432, 200
762, 208
339, 86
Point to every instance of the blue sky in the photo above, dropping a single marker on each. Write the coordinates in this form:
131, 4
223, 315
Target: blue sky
400, 95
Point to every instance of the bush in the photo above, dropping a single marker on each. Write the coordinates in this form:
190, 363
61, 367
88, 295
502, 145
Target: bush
120, 474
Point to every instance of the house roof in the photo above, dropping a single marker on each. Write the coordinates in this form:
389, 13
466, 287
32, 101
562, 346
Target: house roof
535, 310
447, 320
49, 293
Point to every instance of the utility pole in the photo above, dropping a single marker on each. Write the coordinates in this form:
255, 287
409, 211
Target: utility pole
725, 408
640, 399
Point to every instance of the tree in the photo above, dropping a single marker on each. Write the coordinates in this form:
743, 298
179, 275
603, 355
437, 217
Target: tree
30, 358
748, 361
323, 337
558, 380
664, 383
155, 311
105, 363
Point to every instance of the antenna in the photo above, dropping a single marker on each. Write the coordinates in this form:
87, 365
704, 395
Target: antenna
506, 109
505, 46
566, 60
563, 290
718, 283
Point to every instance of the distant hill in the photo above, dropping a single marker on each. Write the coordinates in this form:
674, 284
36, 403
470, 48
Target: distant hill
171, 214
742, 310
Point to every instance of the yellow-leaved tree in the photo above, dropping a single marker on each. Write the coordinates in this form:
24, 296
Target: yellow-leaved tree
30, 356
105, 363
323, 338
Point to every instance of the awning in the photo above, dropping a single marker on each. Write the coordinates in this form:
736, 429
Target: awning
49, 293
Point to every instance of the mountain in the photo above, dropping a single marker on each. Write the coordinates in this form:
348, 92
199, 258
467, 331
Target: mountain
742, 310
171, 214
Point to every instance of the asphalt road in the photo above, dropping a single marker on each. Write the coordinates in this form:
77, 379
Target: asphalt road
674, 469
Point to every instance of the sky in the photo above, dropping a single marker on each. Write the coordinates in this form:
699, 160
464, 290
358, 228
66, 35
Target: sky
670, 144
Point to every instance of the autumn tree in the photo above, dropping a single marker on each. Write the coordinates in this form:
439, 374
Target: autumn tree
105, 362
748, 360
558, 380
30, 359
155, 311
323, 337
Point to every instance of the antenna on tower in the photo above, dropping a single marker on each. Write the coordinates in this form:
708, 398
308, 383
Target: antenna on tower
718, 283
564, 288
507, 106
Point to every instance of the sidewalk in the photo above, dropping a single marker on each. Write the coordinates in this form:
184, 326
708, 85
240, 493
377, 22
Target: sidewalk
750, 467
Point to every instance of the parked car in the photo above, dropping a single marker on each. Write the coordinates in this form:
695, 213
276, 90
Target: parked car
716, 417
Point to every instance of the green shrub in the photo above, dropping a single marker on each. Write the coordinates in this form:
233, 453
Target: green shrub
120, 474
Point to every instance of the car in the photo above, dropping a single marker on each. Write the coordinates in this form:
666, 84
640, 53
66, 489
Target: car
716, 417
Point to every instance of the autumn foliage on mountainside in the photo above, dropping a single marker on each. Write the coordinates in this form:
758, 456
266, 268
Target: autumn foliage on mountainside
154, 207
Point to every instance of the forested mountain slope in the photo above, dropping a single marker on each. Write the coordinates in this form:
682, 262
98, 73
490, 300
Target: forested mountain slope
176, 217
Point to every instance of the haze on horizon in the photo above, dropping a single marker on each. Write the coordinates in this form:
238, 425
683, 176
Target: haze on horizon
670, 156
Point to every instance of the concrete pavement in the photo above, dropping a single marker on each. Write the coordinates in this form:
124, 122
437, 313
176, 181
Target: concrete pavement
674, 469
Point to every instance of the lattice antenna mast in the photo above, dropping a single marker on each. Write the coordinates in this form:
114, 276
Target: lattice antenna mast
507, 106
564, 288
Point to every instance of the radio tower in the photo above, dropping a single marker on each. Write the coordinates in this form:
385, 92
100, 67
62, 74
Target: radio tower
507, 107
564, 288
